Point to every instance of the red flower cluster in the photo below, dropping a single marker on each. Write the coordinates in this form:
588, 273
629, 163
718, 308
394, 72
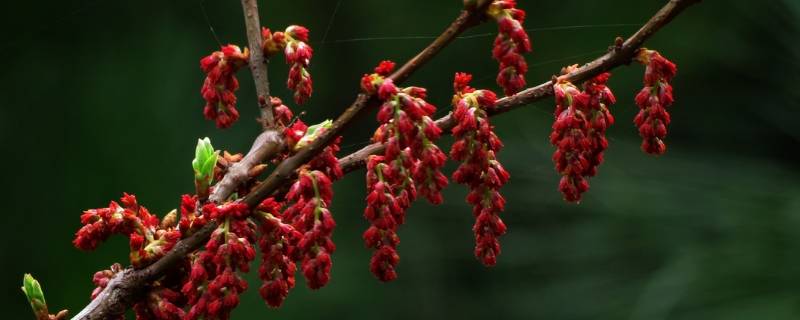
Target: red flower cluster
476, 146
277, 243
213, 286
294, 43
311, 196
190, 220
303, 231
411, 162
581, 120
282, 113
149, 239
512, 41
221, 83
599, 117
653, 100
384, 214
160, 304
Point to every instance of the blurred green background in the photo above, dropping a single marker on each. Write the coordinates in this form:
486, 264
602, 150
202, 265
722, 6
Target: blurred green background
101, 97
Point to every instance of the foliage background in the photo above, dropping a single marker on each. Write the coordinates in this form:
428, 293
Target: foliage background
101, 97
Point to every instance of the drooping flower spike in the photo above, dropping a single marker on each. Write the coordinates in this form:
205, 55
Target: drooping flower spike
510, 44
599, 116
221, 83
308, 211
653, 100
214, 284
411, 163
277, 242
310, 197
294, 44
581, 120
476, 147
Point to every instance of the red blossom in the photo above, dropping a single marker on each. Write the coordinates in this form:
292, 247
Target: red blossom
282, 113
476, 146
214, 284
371, 82
308, 213
294, 43
653, 101
277, 243
221, 83
411, 163
160, 304
571, 137
511, 43
599, 119
148, 239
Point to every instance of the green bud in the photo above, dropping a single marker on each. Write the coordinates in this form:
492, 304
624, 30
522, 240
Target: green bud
33, 291
312, 133
205, 159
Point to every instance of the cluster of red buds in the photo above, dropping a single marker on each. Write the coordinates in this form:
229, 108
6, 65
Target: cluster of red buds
310, 196
149, 238
214, 284
511, 42
653, 100
411, 163
283, 115
221, 83
160, 303
278, 243
581, 120
307, 210
294, 44
476, 147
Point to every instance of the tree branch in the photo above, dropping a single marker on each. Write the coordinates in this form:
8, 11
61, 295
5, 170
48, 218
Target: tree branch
258, 65
618, 55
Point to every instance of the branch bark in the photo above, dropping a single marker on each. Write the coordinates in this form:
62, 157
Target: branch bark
267, 144
258, 65
128, 286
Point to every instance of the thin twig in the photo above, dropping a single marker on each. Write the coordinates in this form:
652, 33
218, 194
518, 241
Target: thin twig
258, 65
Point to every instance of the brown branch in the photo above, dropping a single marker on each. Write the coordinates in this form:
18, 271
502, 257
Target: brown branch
268, 143
258, 65
620, 54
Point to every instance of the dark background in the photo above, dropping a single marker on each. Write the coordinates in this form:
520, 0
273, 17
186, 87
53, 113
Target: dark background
101, 97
